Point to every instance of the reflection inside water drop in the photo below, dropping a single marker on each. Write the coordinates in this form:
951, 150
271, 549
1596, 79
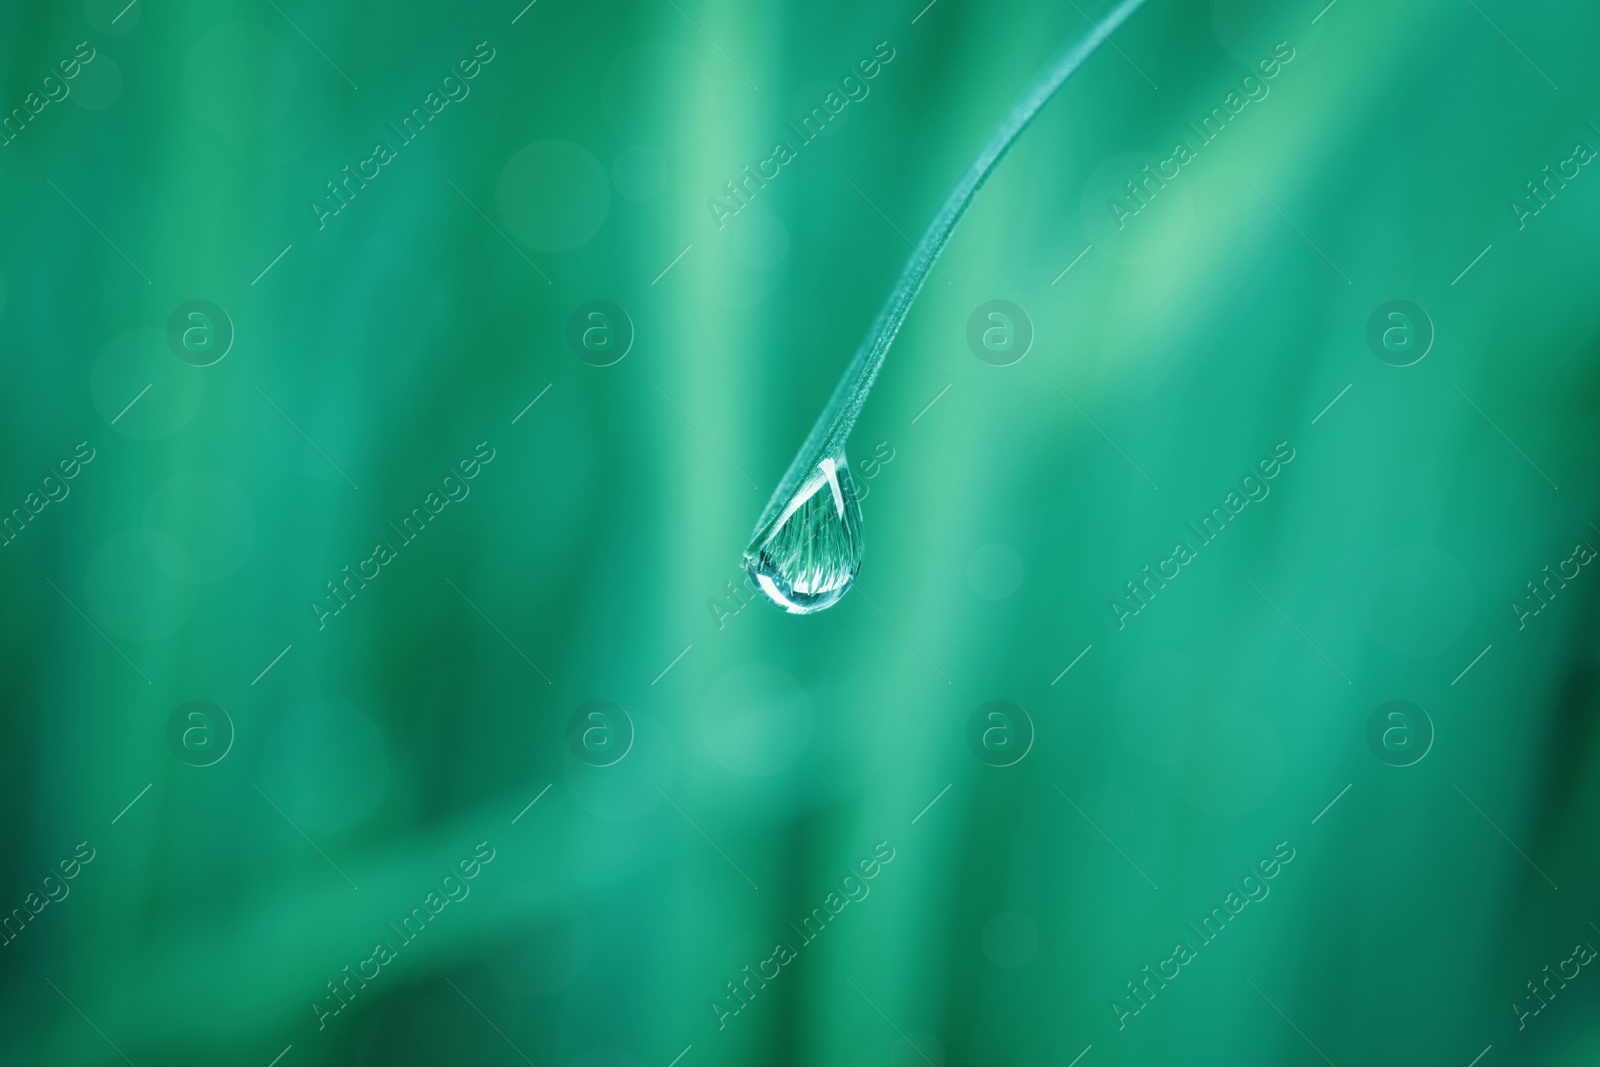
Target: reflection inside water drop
807, 558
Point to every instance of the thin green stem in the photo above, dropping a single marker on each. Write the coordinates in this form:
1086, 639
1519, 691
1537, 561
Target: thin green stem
838, 417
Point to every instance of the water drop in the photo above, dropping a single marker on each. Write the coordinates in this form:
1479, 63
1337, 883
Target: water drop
807, 557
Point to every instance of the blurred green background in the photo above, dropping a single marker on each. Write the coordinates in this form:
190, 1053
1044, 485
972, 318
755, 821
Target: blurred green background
345, 764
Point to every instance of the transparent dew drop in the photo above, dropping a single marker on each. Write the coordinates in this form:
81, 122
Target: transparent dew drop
808, 557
